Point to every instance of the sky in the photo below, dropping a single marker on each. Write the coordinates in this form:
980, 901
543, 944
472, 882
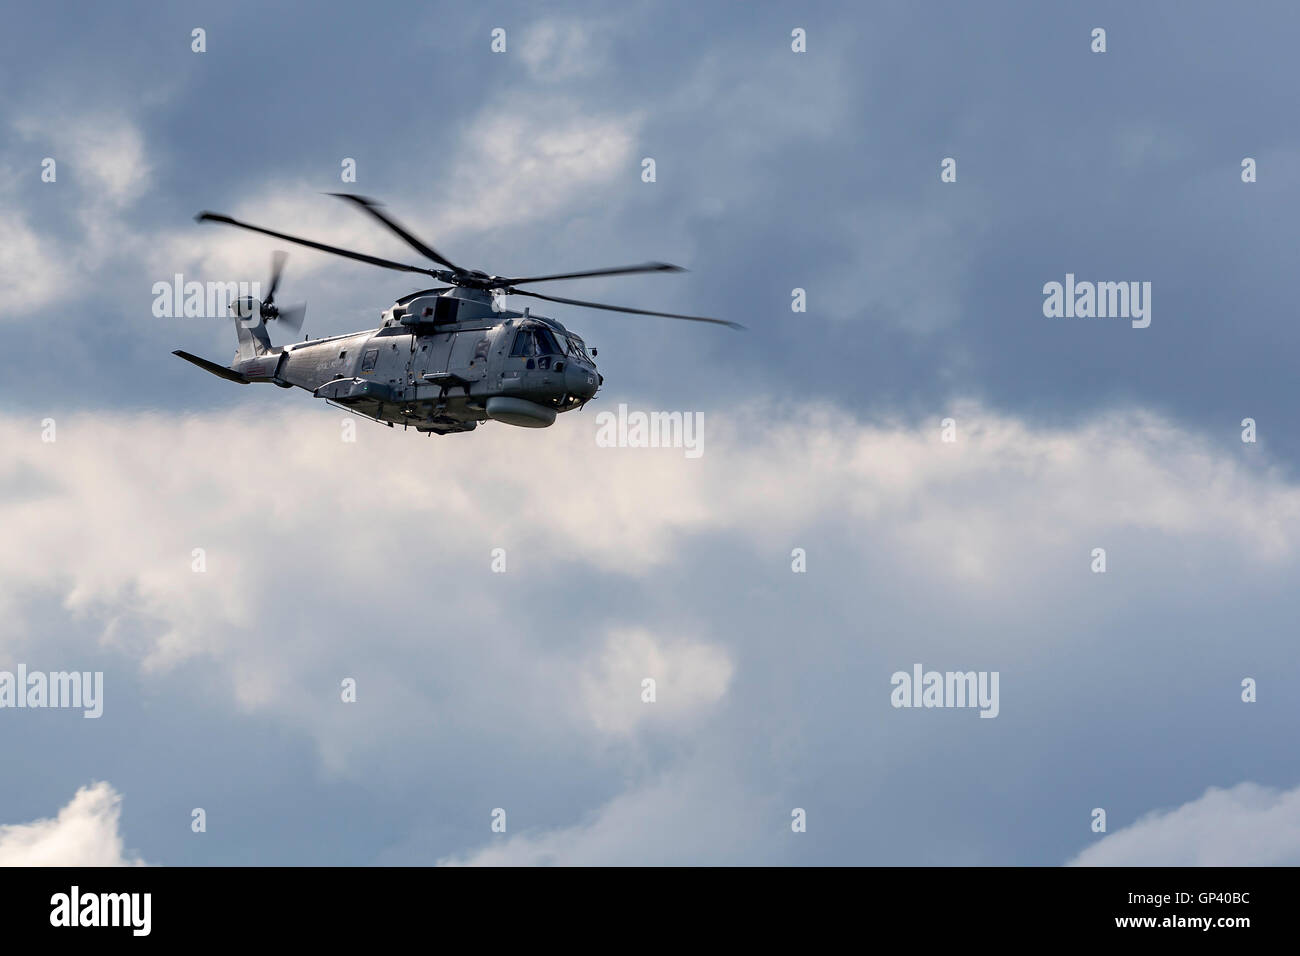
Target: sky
411, 650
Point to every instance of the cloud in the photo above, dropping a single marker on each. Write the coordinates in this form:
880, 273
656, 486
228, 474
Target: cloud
555, 50
103, 152
690, 816
552, 153
693, 676
1245, 825
220, 253
776, 170
30, 270
101, 169
105, 522
122, 500
85, 833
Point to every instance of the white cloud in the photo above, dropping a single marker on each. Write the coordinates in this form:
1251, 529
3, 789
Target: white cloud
103, 153
688, 677
550, 154
85, 833
690, 816
30, 270
1245, 825
221, 253
101, 168
126, 497
297, 524
563, 49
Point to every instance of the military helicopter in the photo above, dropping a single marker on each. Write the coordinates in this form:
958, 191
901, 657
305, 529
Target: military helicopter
444, 359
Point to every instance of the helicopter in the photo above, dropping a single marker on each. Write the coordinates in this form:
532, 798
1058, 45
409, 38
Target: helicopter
444, 359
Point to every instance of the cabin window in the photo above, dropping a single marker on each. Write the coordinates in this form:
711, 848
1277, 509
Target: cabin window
368, 363
524, 344
535, 341
445, 309
546, 343
575, 348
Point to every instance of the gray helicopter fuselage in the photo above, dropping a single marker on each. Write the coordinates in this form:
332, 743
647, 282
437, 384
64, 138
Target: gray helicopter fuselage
441, 361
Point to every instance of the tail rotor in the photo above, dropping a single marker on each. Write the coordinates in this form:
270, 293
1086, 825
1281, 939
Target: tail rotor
290, 317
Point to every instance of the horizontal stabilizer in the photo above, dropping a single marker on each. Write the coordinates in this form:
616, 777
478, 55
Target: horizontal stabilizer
220, 370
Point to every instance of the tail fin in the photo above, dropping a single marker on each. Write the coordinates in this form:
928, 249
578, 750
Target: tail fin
252, 342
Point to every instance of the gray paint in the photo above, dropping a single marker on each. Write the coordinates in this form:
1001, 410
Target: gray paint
436, 378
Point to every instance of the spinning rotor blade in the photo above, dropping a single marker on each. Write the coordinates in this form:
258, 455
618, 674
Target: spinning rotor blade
619, 308
277, 267
372, 207
292, 317
347, 253
456, 277
617, 271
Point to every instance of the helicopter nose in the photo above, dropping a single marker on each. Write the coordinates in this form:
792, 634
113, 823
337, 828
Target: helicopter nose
580, 381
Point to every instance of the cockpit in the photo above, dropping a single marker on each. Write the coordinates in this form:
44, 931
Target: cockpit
548, 345
564, 376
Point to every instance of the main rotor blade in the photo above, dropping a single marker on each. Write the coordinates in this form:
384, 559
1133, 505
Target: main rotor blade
619, 308
372, 207
347, 253
617, 271
277, 267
